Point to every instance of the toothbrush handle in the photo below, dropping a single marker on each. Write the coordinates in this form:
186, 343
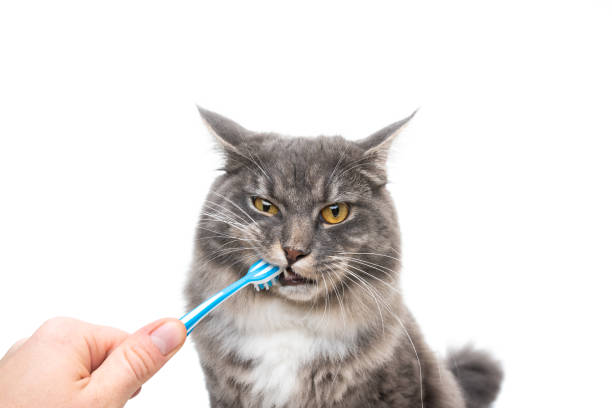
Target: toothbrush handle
191, 319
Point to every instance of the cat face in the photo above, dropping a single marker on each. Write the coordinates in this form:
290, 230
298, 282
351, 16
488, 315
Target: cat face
317, 207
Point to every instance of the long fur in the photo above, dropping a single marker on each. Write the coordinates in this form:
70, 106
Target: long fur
479, 376
344, 340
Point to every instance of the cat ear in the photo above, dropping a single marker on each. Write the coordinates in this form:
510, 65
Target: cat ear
376, 149
228, 133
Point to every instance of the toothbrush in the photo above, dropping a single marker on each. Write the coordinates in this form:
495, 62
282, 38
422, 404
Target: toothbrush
261, 274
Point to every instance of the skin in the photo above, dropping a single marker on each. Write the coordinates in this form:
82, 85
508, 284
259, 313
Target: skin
363, 347
68, 363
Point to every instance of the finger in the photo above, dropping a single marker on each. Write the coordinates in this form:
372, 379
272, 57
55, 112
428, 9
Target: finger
135, 360
136, 393
91, 343
102, 341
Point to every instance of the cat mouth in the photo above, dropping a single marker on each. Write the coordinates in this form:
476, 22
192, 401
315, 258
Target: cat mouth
291, 278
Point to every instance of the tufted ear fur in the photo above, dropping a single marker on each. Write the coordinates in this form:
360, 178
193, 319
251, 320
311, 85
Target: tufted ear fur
228, 133
376, 150
230, 137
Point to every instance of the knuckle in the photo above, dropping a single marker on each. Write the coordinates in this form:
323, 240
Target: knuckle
140, 362
55, 327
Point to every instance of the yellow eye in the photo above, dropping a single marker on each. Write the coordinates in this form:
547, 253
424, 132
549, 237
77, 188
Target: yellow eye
264, 205
335, 213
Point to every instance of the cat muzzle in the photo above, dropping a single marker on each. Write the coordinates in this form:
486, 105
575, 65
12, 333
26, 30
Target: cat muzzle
290, 278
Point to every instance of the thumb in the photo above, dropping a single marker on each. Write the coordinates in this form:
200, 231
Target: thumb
135, 361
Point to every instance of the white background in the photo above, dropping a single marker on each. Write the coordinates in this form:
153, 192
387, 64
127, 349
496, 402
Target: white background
502, 181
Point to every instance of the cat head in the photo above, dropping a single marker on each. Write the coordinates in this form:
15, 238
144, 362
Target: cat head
316, 206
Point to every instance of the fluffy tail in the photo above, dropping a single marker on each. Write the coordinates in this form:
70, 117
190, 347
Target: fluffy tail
478, 374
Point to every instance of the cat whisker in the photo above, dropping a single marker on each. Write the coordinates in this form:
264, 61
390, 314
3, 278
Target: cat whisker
368, 253
373, 277
314, 300
227, 212
389, 271
394, 250
326, 295
354, 164
255, 173
323, 317
350, 275
327, 307
206, 216
247, 229
416, 355
214, 218
342, 284
250, 261
331, 176
356, 298
258, 163
222, 235
225, 252
204, 237
235, 205
366, 308
356, 269
223, 246
252, 160
390, 311
340, 302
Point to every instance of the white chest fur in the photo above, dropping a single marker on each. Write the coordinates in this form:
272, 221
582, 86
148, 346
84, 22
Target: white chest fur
277, 359
280, 351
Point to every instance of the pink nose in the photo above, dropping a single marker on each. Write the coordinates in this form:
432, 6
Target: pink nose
293, 255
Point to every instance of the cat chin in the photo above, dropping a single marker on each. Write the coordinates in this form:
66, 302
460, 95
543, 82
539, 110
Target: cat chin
298, 293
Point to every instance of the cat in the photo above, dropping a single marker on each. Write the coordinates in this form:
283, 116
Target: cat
335, 331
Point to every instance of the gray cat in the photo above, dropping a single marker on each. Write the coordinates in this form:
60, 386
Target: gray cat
335, 332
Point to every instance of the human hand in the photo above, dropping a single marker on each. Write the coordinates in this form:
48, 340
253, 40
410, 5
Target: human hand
68, 363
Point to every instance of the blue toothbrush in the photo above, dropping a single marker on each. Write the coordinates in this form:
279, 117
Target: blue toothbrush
261, 274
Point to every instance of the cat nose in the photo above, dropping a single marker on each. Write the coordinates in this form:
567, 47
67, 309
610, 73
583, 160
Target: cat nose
293, 255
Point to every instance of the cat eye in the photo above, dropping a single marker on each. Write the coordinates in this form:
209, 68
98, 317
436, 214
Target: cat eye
265, 206
335, 213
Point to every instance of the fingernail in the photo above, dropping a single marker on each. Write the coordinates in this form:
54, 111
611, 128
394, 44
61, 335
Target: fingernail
168, 336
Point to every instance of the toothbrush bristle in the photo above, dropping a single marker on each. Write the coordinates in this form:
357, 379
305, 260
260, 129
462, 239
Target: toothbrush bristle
264, 275
267, 285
